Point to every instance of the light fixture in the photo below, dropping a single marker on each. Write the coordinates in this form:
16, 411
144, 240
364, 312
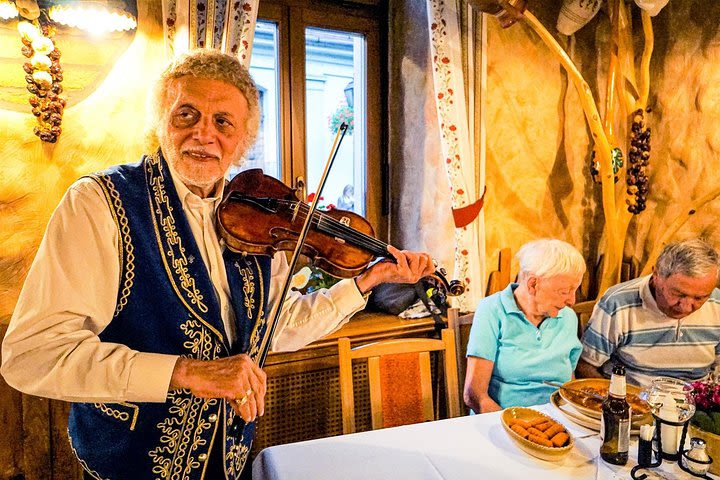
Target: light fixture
94, 16
7, 10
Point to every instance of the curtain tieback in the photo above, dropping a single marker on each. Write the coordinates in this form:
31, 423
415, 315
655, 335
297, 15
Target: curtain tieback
463, 216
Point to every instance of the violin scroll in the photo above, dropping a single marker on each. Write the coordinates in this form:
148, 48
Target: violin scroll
441, 286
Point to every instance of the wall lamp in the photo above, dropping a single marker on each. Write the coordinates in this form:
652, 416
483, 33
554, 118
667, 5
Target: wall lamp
94, 16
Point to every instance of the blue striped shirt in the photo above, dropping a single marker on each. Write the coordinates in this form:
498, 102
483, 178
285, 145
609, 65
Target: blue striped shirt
627, 326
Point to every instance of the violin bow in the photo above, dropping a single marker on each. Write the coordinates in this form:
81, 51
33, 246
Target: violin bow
270, 331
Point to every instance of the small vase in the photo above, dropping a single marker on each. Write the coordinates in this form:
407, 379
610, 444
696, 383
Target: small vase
653, 7
713, 446
574, 14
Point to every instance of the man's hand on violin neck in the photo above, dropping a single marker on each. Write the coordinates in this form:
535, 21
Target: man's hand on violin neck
237, 379
409, 267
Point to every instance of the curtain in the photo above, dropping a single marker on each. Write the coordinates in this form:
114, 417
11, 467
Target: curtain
465, 175
226, 25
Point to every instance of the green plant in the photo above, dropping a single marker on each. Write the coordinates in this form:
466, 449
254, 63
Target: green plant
707, 402
344, 113
310, 278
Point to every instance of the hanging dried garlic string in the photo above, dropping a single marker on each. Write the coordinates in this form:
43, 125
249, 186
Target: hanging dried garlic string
43, 76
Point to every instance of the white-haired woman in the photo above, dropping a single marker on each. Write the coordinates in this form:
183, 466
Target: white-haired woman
526, 334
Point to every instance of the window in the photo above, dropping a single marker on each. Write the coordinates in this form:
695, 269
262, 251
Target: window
334, 76
317, 65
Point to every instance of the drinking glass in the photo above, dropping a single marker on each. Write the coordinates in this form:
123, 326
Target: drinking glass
671, 401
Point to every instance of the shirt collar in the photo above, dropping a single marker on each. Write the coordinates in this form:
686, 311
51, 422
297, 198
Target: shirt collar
508, 299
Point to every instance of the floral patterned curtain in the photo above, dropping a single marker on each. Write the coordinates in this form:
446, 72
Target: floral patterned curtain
463, 173
227, 25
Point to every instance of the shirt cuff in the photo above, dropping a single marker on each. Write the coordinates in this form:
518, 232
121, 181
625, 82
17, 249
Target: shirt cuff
150, 376
347, 297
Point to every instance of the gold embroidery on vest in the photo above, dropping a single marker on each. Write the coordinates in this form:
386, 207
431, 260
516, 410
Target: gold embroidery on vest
261, 322
82, 462
181, 433
200, 343
126, 255
248, 290
163, 214
114, 412
236, 457
179, 263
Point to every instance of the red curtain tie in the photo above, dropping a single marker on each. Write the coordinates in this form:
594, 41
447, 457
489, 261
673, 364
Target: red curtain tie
463, 216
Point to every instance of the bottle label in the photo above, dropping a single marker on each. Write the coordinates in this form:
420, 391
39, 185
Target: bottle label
624, 435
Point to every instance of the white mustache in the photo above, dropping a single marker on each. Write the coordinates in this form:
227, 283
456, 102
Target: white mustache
201, 152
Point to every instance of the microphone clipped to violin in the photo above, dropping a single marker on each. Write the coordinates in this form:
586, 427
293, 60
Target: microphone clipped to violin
260, 215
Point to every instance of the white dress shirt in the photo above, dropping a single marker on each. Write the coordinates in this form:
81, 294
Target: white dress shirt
52, 348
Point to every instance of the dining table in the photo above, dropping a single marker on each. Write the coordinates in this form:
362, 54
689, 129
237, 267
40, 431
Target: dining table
469, 447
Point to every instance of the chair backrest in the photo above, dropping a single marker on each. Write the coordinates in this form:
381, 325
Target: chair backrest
380, 358
584, 311
500, 278
460, 325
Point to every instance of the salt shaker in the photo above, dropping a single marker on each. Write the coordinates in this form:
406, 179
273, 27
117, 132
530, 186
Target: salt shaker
697, 456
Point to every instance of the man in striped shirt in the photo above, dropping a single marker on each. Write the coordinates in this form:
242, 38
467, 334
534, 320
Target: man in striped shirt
664, 324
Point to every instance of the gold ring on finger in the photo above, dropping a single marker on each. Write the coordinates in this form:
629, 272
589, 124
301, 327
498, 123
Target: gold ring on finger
241, 401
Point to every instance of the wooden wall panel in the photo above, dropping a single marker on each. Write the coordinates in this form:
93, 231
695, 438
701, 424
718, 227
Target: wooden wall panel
11, 420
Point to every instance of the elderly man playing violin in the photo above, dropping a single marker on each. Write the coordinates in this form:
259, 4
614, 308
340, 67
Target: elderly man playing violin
136, 312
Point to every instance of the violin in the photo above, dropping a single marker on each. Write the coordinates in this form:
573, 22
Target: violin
261, 215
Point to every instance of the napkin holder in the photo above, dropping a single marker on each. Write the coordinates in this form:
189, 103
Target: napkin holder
660, 455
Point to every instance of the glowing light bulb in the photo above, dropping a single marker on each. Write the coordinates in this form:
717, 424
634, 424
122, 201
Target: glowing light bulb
93, 18
7, 10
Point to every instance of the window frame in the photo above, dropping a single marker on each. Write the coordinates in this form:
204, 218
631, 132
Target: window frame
292, 17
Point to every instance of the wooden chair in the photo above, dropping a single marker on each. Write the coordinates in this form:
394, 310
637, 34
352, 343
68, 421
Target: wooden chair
584, 311
500, 278
460, 325
401, 353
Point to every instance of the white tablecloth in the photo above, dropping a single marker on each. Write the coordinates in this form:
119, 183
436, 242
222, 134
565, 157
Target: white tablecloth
473, 447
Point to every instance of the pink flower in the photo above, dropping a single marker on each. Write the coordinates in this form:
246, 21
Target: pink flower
707, 395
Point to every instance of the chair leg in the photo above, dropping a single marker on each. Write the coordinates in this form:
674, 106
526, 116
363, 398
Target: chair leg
346, 386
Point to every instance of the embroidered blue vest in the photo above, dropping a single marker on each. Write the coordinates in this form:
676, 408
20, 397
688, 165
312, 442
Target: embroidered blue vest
166, 304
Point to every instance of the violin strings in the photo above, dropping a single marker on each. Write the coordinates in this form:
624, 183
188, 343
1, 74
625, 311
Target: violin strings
336, 228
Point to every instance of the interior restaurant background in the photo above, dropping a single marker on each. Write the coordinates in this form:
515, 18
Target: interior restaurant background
536, 143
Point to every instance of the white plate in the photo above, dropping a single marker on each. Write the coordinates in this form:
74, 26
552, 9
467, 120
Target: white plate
578, 417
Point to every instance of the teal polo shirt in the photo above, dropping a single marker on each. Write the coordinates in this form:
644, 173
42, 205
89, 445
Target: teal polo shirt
524, 355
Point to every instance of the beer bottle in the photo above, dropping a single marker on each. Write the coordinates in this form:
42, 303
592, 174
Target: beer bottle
615, 420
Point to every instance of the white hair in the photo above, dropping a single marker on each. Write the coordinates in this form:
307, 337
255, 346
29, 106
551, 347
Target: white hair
212, 65
549, 257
